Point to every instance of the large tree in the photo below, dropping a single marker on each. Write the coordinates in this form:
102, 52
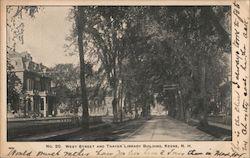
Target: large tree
79, 23
143, 49
15, 30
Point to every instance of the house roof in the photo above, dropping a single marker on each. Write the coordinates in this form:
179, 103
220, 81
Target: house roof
23, 62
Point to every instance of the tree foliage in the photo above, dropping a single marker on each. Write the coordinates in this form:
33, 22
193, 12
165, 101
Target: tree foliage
142, 49
13, 82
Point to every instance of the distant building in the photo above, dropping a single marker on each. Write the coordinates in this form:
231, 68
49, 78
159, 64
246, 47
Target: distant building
37, 97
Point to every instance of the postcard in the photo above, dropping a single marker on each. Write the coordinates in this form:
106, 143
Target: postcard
124, 78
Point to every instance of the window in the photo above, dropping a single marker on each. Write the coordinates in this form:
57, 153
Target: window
27, 84
30, 84
42, 104
29, 104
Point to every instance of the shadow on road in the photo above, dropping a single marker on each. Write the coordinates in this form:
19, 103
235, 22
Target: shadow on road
109, 132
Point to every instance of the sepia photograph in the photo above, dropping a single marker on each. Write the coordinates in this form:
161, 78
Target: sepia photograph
119, 73
124, 78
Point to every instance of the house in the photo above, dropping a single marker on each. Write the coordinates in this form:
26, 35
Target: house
35, 91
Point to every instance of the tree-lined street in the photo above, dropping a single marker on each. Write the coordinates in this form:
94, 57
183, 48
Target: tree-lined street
131, 61
158, 128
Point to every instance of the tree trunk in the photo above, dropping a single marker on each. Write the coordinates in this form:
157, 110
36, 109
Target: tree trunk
84, 100
121, 101
114, 96
203, 113
114, 86
148, 111
114, 104
136, 112
181, 110
143, 114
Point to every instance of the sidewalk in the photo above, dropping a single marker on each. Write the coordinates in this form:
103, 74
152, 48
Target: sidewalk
227, 127
220, 125
44, 136
218, 130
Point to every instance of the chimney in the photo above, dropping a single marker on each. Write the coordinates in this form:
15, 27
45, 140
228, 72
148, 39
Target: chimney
27, 64
44, 70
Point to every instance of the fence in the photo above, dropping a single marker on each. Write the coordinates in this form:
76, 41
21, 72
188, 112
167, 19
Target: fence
17, 128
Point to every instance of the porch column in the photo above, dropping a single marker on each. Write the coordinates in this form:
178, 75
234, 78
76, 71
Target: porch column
31, 104
45, 106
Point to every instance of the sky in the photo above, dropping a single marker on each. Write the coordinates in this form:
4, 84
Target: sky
44, 36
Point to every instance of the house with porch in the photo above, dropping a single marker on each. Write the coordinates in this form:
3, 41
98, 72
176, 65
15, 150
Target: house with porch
36, 97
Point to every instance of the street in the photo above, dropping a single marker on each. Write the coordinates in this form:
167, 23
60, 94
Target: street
168, 129
160, 128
